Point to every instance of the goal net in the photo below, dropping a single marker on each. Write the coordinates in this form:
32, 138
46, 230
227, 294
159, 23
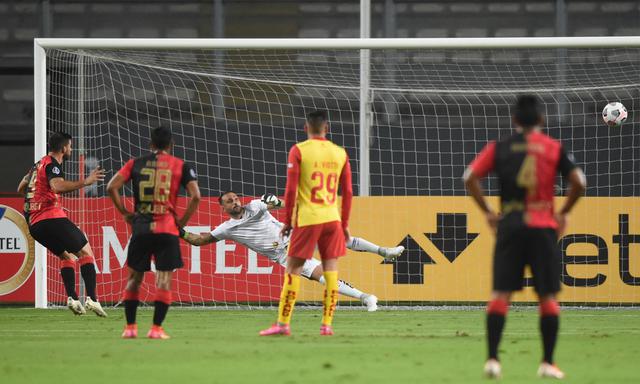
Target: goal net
235, 113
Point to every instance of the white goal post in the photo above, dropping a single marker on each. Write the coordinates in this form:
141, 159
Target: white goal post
41, 45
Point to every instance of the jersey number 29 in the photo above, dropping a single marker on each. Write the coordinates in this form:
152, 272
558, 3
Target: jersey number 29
330, 185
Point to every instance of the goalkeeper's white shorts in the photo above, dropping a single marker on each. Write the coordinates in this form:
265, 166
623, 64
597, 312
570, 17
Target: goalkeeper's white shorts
308, 267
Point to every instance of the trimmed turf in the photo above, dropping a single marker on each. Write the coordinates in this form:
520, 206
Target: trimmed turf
217, 346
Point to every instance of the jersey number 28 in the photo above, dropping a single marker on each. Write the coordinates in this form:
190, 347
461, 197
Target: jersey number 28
159, 180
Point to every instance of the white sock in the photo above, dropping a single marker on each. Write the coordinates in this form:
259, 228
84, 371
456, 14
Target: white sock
345, 288
361, 245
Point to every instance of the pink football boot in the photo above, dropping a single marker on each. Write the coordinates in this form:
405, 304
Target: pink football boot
130, 331
326, 330
277, 329
156, 332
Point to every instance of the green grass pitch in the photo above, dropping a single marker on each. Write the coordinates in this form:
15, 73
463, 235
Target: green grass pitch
218, 346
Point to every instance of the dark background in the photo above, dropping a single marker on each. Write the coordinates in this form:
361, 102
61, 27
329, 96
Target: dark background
433, 110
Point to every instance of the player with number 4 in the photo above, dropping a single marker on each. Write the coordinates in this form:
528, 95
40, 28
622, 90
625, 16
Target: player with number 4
526, 164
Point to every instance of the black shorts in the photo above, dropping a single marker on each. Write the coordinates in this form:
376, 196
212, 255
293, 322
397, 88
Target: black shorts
58, 235
520, 246
163, 247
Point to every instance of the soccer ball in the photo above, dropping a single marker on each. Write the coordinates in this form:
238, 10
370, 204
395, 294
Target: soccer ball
614, 114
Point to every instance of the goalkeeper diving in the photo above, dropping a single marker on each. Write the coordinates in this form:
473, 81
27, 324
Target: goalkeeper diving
253, 226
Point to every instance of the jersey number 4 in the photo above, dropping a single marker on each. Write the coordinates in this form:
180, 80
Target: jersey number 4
329, 186
31, 187
159, 180
527, 175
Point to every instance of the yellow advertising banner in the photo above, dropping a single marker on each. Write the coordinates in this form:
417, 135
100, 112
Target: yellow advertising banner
450, 248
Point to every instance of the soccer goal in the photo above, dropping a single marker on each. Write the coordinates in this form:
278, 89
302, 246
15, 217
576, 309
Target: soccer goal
412, 113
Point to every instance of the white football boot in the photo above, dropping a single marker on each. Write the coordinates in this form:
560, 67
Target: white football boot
75, 306
550, 371
95, 307
390, 254
492, 369
371, 301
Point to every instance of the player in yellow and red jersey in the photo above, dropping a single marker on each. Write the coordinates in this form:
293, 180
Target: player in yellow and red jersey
315, 170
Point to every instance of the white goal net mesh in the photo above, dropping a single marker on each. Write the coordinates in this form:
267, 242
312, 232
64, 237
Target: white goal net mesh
235, 114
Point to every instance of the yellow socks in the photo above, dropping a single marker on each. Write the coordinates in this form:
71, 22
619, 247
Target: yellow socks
330, 296
288, 297
289, 294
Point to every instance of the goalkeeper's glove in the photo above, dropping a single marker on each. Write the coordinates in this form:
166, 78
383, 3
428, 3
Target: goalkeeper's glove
271, 199
183, 233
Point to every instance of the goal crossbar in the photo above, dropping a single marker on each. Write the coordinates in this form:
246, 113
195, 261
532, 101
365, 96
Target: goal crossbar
351, 43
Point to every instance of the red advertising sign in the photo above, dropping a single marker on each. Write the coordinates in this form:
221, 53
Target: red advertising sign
221, 272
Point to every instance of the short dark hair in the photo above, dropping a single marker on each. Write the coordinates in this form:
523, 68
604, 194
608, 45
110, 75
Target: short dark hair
58, 140
316, 119
527, 112
223, 194
161, 137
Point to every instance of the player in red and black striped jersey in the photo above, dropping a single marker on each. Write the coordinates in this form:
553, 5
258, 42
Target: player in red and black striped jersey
49, 225
526, 164
156, 178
